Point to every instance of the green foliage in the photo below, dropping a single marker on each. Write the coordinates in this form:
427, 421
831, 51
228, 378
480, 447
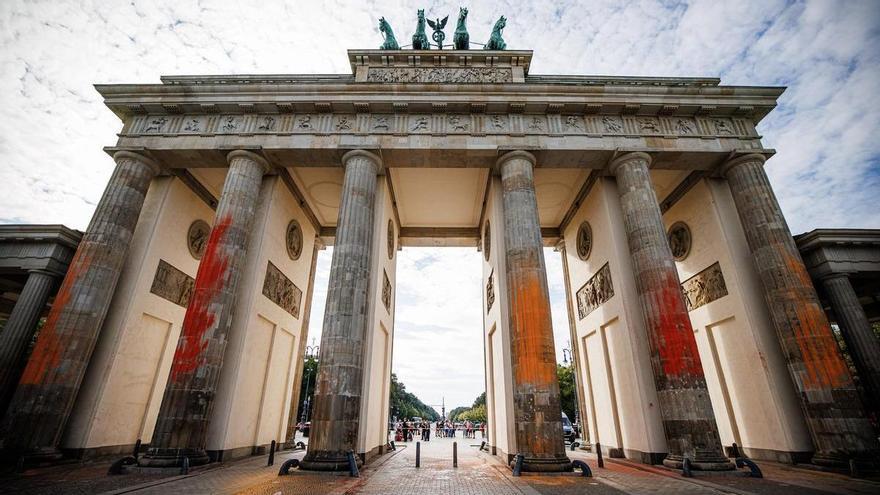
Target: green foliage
406, 405
567, 391
456, 412
307, 386
477, 411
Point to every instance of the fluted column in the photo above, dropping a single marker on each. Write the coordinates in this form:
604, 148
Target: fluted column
834, 413
48, 386
20, 328
537, 410
182, 423
685, 408
335, 424
863, 345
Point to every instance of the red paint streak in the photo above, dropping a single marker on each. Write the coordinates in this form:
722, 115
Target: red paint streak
51, 344
199, 318
677, 345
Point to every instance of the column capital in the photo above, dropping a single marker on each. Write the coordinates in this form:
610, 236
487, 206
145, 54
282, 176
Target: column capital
376, 159
834, 275
143, 160
739, 160
627, 158
249, 155
513, 155
46, 271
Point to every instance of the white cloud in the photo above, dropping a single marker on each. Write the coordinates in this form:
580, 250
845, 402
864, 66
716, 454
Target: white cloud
53, 124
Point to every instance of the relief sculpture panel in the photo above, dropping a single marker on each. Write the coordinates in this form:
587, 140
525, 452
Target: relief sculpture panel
490, 292
595, 292
704, 287
386, 291
172, 284
281, 291
439, 75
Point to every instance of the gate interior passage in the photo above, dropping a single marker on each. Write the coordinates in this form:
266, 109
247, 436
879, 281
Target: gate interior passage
183, 318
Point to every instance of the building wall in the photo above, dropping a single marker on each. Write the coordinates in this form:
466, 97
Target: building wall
373, 432
622, 412
496, 333
754, 401
253, 398
122, 389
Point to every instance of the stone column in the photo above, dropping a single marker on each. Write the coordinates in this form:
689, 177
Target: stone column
537, 411
182, 423
685, 408
863, 345
337, 402
834, 413
49, 383
20, 328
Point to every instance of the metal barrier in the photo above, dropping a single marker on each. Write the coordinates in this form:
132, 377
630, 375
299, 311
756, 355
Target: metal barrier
184, 467
285, 468
299, 445
455, 454
517, 466
686, 468
754, 470
352, 465
418, 453
116, 467
272, 453
585, 469
574, 445
601, 461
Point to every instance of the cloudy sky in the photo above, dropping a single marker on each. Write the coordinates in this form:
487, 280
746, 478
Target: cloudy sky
826, 173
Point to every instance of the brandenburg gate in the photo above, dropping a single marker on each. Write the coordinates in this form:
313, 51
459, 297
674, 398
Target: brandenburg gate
182, 319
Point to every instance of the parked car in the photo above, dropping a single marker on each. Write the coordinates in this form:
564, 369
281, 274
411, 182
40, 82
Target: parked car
567, 430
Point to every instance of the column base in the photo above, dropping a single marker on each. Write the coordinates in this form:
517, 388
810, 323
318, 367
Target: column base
542, 465
31, 458
703, 461
160, 458
327, 461
838, 460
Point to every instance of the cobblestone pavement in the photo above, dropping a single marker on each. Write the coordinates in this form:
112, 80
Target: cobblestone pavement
396, 474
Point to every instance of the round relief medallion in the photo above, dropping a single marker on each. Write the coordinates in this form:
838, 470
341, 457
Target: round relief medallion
390, 239
679, 237
294, 240
584, 241
487, 240
197, 238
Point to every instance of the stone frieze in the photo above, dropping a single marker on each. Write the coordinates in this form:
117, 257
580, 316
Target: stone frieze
439, 75
704, 287
173, 285
476, 124
595, 292
281, 291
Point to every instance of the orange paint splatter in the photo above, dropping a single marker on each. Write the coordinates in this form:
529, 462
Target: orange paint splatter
199, 318
50, 347
676, 343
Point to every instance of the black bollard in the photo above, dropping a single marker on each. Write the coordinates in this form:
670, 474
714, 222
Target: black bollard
272, 453
734, 450
418, 453
137, 449
686, 468
455, 454
600, 461
517, 465
184, 467
352, 465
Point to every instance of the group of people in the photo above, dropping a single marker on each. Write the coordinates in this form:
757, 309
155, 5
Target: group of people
406, 430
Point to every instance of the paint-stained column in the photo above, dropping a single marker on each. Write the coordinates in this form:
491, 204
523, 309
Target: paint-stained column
863, 345
182, 423
834, 413
20, 328
537, 410
685, 408
337, 403
48, 386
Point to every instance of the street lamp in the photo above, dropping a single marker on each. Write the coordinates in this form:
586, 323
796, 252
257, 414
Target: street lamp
311, 353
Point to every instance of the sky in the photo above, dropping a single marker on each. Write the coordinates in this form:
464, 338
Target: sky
826, 173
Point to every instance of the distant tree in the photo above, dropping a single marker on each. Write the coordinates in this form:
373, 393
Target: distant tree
453, 414
307, 386
480, 400
567, 391
406, 405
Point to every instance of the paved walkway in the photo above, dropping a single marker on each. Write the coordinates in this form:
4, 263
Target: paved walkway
396, 474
